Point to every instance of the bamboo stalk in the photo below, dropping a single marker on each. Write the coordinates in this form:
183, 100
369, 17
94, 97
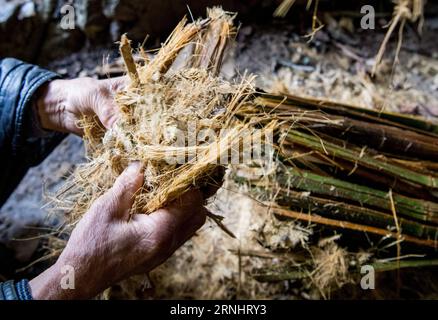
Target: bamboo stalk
353, 213
352, 226
408, 207
336, 108
357, 156
126, 52
400, 264
209, 55
387, 139
341, 210
322, 164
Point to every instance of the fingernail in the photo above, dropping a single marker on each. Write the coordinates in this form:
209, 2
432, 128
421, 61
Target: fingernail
133, 167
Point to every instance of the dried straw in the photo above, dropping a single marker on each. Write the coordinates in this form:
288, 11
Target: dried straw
170, 100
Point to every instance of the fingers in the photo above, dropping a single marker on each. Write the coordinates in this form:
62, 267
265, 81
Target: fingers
165, 230
169, 220
118, 200
188, 213
106, 108
190, 226
118, 83
183, 206
214, 182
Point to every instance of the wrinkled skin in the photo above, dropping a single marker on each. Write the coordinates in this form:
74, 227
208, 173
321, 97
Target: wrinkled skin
108, 244
62, 103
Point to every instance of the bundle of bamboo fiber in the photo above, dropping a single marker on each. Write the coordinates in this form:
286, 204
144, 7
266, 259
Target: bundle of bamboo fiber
177, 118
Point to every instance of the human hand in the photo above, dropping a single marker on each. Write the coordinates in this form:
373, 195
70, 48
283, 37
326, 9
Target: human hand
105, 247
61, 103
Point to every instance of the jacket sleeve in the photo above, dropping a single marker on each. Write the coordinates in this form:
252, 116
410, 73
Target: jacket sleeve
21, 145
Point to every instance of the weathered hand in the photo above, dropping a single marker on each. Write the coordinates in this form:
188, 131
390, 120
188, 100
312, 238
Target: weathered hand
61, 103
105, 247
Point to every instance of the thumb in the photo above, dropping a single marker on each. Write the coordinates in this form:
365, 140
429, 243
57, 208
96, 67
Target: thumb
119, 199
117, 83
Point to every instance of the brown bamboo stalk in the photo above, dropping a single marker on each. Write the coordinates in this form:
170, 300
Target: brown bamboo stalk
351, 226
126, 52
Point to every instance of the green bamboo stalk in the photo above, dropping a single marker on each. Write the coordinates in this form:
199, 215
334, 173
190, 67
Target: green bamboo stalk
338, 209
353, 213
355, 156
394, 265
406, 207
320, 163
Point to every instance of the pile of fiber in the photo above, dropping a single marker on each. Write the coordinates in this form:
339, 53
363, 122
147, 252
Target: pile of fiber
350, 169
178, 118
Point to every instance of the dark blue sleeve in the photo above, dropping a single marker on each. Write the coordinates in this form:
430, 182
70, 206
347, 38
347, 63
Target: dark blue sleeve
20, 146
